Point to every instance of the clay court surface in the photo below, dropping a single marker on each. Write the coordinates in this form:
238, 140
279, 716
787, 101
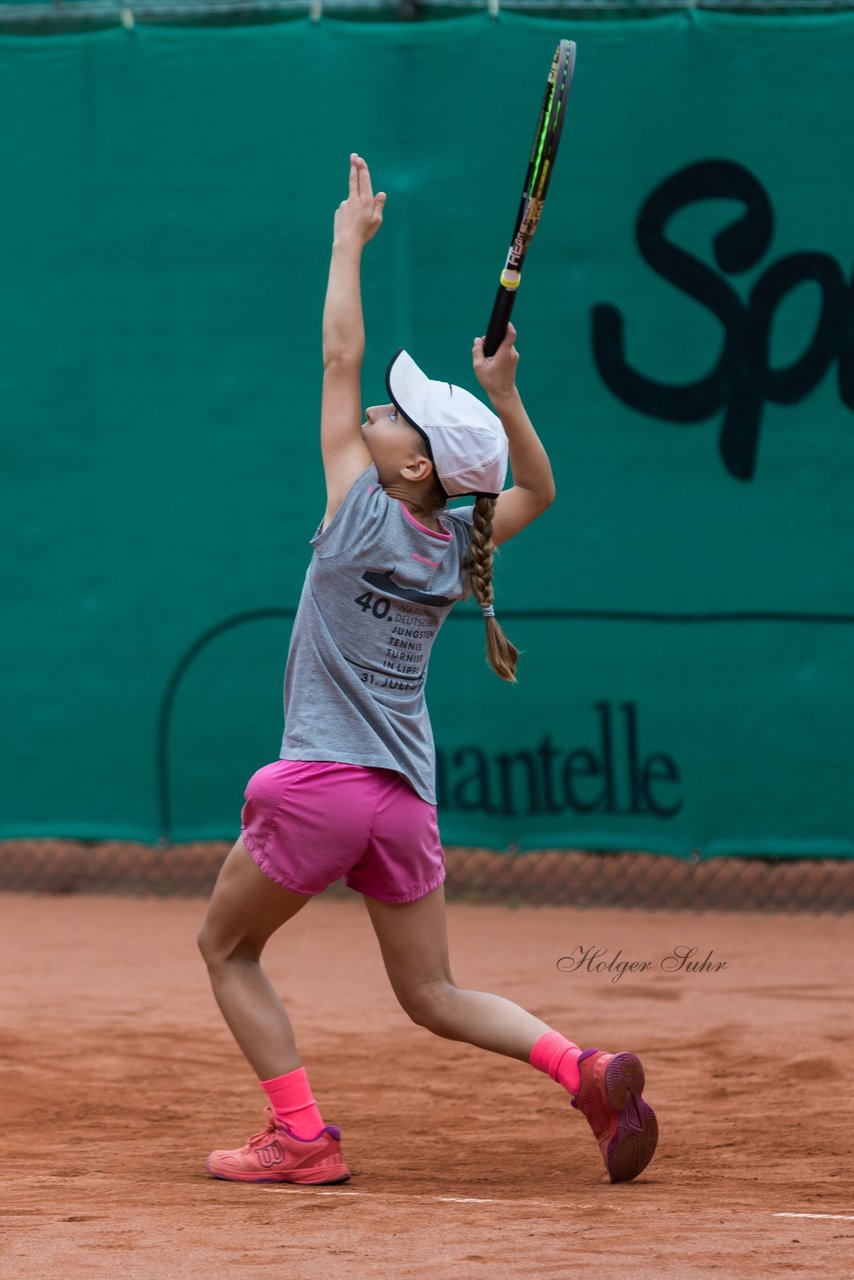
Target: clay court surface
119, 1076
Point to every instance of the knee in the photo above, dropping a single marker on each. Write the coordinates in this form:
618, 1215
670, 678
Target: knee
206, 941
428, 1005
218, 950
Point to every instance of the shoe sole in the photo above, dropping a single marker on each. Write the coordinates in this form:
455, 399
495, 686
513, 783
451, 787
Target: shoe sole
309, 1178
633, 1145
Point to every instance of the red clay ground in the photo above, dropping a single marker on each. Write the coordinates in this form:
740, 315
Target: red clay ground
119, 1077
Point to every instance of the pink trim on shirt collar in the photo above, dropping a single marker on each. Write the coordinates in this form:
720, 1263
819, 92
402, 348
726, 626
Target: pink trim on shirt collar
443, 537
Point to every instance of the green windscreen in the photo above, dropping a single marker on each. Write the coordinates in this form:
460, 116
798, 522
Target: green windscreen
686, 330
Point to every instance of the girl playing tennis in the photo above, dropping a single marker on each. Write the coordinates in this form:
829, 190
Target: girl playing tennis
352, 793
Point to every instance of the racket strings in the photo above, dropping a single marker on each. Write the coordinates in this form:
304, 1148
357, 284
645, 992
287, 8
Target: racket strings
547, 137
537, 178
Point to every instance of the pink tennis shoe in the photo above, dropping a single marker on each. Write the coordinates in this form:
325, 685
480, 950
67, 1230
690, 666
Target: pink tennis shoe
276, 1154
610, 1100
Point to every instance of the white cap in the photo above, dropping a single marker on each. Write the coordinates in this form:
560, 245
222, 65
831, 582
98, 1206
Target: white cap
465, 440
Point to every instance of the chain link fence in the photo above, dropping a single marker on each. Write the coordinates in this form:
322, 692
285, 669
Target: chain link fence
552, 877
46, 17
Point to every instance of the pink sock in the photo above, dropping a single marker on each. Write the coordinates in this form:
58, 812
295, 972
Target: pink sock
293, 1104
558, 1057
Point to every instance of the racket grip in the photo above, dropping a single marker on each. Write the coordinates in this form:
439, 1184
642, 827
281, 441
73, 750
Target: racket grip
499, 320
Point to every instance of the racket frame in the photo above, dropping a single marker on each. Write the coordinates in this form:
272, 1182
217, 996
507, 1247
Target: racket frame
537, 179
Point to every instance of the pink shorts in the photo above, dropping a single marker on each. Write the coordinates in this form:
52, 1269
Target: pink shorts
307, 823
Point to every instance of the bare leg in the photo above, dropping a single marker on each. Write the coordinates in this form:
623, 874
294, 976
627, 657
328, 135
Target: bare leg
245, 910
413, 939
414, 944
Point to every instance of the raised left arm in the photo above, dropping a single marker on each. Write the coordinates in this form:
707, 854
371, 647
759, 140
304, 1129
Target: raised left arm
345, 455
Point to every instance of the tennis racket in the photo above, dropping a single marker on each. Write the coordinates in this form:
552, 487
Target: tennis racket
540, 168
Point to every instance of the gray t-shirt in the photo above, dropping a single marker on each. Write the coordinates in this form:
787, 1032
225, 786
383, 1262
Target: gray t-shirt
378, 588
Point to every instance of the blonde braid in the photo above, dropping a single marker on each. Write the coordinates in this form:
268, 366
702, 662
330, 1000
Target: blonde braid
501, 655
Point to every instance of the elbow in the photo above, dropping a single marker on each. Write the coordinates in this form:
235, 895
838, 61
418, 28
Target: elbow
341, 358
538, 497
547, 496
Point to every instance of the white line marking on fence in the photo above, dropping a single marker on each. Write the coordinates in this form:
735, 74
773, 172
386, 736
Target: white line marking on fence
837, 1217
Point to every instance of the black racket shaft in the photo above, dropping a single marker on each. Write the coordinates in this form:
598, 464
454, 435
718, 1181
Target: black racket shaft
499, 320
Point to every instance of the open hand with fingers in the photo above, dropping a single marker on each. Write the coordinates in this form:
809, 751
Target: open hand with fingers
359, 217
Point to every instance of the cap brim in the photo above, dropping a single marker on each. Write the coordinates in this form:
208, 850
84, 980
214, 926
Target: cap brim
407, 387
